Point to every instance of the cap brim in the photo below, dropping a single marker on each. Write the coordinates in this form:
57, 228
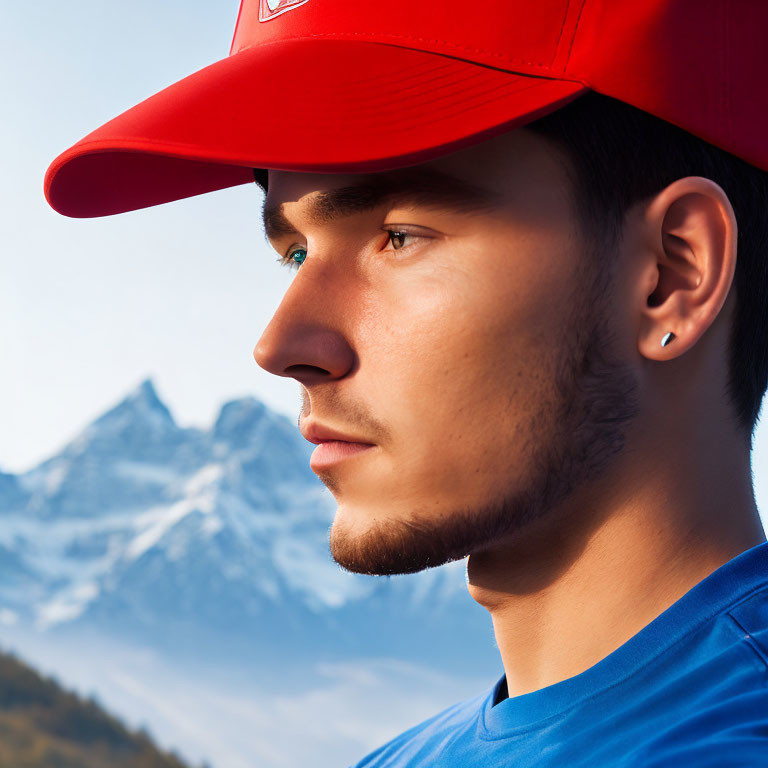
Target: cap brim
327, 106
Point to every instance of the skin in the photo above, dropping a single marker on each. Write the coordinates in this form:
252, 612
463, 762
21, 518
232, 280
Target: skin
522, 408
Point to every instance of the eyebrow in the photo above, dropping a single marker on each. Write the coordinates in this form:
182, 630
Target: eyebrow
424, 187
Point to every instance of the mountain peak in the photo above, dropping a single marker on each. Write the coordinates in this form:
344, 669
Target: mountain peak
145, 403
140, 414
240, 416
146, 393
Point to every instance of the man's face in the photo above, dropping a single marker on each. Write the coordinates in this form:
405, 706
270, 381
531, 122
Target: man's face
473, 351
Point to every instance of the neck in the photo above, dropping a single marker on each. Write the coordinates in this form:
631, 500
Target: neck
585, 578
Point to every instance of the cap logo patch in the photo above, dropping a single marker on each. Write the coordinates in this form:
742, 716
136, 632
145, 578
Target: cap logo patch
268, 9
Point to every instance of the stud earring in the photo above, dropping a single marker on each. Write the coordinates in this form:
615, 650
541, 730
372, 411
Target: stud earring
669, 336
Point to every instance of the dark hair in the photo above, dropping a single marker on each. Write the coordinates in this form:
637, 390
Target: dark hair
621, 155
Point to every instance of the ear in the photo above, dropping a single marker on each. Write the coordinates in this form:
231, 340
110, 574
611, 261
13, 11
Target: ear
689, 234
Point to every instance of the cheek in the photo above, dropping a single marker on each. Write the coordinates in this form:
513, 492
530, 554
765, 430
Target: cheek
457, 322
461, 366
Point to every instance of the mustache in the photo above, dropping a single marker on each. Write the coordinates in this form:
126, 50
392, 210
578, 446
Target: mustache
329, 409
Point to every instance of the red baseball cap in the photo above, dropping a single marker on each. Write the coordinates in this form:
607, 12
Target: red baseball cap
354, 86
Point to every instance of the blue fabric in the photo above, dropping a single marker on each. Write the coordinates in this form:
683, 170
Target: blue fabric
690, 690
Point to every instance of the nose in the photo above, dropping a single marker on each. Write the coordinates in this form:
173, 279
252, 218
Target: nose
304, 340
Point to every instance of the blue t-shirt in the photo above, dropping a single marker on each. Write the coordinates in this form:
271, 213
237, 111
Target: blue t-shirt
689, 690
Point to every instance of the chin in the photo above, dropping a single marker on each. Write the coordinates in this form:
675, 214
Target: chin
393, 547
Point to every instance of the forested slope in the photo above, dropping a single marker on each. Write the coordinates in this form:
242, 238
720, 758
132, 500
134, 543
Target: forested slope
44, 726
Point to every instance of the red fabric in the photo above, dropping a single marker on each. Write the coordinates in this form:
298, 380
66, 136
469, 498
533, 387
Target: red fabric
344, 85
699, 64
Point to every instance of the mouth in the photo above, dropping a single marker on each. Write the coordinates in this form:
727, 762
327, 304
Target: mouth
332, 452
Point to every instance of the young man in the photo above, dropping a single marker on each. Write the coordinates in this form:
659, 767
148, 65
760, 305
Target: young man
528, 320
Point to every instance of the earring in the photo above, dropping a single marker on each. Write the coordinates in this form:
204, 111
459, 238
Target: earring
667, 338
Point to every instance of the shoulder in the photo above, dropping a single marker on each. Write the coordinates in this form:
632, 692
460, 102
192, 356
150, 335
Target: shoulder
418, 742
751, 619
745, 750
725, 658
725, 721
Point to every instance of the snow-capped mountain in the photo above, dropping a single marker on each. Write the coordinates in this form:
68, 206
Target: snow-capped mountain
183, 576
208, 542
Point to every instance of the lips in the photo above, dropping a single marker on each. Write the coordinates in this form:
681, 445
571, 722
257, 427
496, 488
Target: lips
317, 434
328, 454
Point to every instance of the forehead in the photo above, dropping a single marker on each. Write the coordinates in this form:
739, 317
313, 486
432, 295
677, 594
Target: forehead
478, 179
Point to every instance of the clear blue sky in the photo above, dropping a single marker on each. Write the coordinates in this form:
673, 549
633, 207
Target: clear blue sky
89, 308
180, 292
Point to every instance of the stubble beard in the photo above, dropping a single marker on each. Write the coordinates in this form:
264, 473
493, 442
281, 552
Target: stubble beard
572, 439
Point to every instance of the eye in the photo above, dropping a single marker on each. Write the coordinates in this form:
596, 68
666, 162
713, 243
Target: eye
294, 258
399, 236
